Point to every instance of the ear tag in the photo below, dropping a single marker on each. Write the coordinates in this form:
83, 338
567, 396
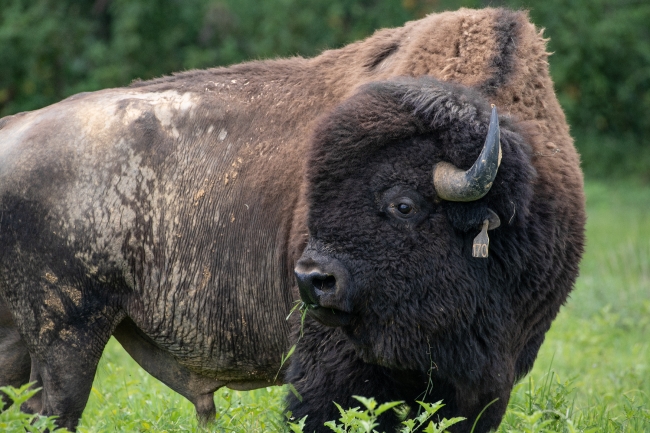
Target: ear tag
482, 242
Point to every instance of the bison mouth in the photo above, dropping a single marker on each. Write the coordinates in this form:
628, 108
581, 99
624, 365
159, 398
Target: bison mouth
329, 316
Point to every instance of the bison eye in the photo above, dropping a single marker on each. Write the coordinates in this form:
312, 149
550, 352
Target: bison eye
403, 205
404, 208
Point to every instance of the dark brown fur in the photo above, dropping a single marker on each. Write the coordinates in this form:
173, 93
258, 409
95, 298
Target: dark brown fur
429, 319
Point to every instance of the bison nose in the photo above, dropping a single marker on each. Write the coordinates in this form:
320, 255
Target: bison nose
326, 287
323, 281
313, 284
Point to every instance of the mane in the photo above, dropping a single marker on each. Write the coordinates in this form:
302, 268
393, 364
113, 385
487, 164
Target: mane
440, 104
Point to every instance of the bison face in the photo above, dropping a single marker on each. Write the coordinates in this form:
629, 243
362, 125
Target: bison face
389, 257
326, 284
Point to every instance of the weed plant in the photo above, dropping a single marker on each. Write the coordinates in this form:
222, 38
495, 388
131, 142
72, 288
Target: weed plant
13, 420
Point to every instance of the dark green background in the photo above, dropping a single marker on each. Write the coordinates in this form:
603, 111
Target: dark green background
50, 49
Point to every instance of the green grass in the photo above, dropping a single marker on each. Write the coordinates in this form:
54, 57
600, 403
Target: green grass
602, 336
599, 345
592, 373
126, 398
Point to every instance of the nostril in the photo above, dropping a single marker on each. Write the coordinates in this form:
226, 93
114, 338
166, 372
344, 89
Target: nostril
313, 285
325, 283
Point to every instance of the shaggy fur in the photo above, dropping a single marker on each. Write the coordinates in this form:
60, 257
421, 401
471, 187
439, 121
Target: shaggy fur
171, 214
442, 323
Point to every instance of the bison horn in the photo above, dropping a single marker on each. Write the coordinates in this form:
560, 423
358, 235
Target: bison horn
454, 184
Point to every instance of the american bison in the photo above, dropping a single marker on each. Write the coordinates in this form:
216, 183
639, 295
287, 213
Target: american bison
432, 241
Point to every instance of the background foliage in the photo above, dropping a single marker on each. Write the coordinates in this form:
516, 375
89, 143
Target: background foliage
50, 49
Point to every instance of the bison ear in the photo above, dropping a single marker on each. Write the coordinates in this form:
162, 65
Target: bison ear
475, 217
453, 184
469, 217
481, 244
511, 194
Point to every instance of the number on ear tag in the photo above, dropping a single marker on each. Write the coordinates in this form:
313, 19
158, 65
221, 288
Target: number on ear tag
481, 245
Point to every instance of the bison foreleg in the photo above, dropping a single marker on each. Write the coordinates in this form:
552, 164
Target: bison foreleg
325, 369
483, 411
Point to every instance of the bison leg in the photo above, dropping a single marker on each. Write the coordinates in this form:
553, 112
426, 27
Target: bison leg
164, 367
325, 369
492, 405
489, 400
64, 364
34, 404
14, 357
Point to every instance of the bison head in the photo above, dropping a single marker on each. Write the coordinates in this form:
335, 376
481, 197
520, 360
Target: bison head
400, 179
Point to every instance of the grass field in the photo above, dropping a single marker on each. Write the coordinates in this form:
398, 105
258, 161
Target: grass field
600, 343
592, 373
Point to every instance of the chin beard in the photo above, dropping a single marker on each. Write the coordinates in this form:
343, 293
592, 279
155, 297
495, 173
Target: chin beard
380, 352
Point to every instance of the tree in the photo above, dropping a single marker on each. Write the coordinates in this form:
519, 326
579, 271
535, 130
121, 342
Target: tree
50, 49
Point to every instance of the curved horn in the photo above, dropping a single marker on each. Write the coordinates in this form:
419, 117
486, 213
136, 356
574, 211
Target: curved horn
454, 184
